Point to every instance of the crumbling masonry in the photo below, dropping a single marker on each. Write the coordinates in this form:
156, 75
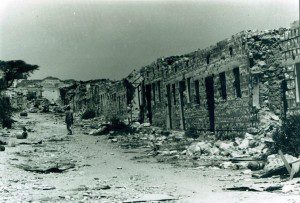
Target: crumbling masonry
223, 89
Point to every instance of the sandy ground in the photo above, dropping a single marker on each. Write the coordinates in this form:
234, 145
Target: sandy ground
106, 173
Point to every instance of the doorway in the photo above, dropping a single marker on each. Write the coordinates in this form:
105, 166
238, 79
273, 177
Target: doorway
182, 88
209, 85
169, 107
148, 103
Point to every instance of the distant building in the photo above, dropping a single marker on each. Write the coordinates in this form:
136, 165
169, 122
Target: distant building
50, 88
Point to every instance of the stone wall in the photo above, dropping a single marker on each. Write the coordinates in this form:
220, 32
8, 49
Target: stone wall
221, 88
225, 88
106, 98
291, 56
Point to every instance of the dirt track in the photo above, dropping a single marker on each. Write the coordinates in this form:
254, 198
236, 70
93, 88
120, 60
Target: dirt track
105, 173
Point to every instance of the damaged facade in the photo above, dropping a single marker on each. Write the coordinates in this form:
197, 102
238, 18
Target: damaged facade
291, 67
25, 90
105, 97
220, 89
225, 88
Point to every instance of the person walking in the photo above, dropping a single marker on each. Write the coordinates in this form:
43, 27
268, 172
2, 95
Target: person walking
69, 120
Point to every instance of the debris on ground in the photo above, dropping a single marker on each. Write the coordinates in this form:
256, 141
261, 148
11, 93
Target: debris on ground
257, 187
22, 135
44, 187
2, 148
24, 114
151, 198
3, 141
46, 167
100, 131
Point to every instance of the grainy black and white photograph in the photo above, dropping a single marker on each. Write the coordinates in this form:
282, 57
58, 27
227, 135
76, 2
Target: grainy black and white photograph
155, 101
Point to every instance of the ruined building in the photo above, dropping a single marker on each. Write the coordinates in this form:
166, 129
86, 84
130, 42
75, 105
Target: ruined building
225, 88
291, 68
220, 89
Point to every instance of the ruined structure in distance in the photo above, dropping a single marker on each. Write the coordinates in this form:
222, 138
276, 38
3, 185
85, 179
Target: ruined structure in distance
225, 88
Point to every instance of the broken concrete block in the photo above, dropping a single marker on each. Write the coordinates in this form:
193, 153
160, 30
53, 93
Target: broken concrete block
255, 165
102, 187
274, 161
244, 144
194, 149
214, 151
228, 165
22, 135
101, 131
114, 140
225, 146
199, 148
261, 63
145, 124
44, 187
3, 142
24, 114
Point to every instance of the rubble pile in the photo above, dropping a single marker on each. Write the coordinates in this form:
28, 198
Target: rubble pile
253, 152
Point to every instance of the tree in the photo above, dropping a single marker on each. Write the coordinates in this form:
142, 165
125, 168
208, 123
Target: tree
16, 69
5, 112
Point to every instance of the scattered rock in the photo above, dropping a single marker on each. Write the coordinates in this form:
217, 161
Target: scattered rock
44, 187
114, 140
151, 198
145, 124
2, 142
101, 131
22, 135
24, 114
257, 187
225, 146
47, 167
255, 165
244, 144
82, 188
102, 187
200, 148
274, 161
2, 148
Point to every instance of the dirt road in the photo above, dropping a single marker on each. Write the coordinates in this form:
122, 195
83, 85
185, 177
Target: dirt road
105, 173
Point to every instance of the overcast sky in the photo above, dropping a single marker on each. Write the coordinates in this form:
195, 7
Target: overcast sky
84, 39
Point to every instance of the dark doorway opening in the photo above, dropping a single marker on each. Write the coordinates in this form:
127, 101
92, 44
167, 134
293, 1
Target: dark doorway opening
297, 78
209, 85
182, 88
169, 107
197, 93
143, 103
284, 88
237, 82
148, 103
